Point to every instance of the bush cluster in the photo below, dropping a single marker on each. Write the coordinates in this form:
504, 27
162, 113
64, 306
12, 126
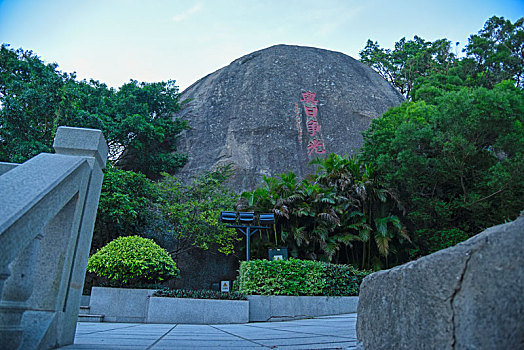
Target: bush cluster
298, 277
198, 294
342, 280
133, 261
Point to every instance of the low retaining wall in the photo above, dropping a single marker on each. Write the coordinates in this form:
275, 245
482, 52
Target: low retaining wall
120, 304
138, 306
280, 308
197, 311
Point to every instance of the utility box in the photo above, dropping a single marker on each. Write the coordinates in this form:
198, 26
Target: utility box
215, 286
278, 254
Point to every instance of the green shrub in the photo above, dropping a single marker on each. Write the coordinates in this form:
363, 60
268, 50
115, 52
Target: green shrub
342, 280
132, 261
198, 294
284, 277
298, 277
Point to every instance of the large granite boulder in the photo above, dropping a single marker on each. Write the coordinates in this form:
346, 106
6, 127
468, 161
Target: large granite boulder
470, 296
274, 110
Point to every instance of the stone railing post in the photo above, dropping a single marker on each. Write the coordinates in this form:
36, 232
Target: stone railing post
88, 143
16, 293
55, 250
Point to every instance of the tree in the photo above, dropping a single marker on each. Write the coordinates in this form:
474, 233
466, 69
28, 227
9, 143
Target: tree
142, 132
30, 92
420, 69
498, 51
409, 61
127, 207
456, 163
192, 211
341, 213
137, 120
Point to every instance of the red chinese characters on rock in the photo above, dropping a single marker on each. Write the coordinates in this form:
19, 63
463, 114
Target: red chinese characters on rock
316, 143
317, 146
311, 112
309, 97
313, 127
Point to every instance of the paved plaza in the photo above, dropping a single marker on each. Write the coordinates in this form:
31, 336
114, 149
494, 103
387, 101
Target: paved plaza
328, 332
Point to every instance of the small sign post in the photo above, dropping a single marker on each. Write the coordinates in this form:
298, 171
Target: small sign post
278, 254
224, 286
247, 220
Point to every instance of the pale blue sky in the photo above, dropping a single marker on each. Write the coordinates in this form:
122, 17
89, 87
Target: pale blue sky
152, 40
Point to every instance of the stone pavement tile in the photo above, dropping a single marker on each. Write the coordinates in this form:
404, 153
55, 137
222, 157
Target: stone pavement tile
116, 337
344, 345
102, 347
197, 344
198, 347
201, 329
115, 341
329, 332
348, 333
259, 334
305, 341
304, 338
83, 327
220, 337
318, 330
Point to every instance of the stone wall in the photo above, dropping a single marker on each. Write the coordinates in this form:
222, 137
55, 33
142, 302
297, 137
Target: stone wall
470, 296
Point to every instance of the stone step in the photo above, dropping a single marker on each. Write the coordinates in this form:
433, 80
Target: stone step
90, 318
84, 309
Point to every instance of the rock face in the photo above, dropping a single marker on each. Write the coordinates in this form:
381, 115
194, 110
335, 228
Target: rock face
469, 296
274, 110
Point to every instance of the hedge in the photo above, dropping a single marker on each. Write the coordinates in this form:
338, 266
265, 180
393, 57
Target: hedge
198, 294
298, 277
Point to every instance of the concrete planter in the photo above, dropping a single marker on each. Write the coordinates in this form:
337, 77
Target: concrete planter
138, 306
279, 308
197, 311
120, 304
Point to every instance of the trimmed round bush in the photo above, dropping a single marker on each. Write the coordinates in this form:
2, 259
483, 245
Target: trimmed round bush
133, 260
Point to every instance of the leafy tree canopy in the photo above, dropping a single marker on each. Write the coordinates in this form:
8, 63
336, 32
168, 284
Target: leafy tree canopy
495, 54
498, 51
192, 211
137, 119
456, 163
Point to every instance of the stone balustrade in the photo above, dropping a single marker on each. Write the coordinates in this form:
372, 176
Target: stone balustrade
47, 212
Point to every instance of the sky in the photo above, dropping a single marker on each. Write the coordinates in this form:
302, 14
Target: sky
114, 41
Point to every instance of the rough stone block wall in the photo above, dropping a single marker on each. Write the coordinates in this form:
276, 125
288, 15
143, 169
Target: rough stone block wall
470, 296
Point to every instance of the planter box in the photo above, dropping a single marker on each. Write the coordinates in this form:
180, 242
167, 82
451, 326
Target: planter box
138, 306
279, 308
120, 304
197, 311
